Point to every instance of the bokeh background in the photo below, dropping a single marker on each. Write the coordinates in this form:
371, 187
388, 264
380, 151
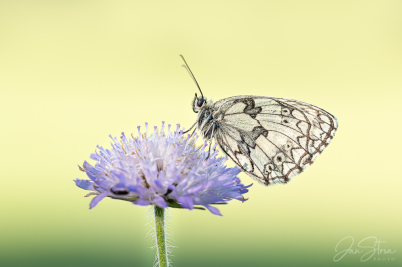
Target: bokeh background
73, 72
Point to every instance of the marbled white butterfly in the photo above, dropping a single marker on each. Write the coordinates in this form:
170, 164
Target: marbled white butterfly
270, 138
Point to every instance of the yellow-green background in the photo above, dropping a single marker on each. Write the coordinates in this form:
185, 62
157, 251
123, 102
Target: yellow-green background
73, 72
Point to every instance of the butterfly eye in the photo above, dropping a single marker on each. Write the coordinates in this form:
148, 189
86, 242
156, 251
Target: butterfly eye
200, 102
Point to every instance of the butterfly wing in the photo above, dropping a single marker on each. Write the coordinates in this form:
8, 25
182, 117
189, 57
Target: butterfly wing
272, 139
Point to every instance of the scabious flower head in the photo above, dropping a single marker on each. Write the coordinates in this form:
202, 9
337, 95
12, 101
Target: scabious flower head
162, 169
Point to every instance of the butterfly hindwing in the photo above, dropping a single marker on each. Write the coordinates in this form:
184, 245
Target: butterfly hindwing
272, 139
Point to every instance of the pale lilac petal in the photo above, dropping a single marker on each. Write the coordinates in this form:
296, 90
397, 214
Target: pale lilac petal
195, 189
160, 202
85, 184
96, 199
141, 202
186, 202
213, 210
140, 190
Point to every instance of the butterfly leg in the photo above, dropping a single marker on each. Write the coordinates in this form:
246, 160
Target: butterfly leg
210, 142
193, 132
190, 129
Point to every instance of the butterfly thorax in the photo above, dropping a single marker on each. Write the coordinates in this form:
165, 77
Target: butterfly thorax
206, 122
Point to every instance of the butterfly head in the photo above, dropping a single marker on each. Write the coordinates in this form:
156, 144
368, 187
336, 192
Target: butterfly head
198, 103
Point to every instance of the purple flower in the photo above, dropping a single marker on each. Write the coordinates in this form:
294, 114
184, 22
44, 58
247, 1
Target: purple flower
162, 169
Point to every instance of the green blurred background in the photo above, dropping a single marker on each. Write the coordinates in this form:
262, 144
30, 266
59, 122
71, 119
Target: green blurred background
73, 72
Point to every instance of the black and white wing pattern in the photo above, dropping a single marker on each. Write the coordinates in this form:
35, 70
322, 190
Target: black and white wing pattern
272, 139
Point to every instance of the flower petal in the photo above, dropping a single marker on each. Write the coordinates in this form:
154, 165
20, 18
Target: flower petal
141, 202
98, 198
213, 210
186, 202
160, 202
195, 189
85, 184
137, 189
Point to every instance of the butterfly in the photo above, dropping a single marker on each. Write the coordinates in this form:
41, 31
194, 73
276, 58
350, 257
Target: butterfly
271, 139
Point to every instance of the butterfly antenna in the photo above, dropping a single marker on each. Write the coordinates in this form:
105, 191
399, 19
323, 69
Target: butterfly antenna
192, 75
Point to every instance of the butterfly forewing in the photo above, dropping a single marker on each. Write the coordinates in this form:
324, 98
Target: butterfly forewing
271, 139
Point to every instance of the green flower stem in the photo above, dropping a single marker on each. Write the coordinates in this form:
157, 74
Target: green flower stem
161, 249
